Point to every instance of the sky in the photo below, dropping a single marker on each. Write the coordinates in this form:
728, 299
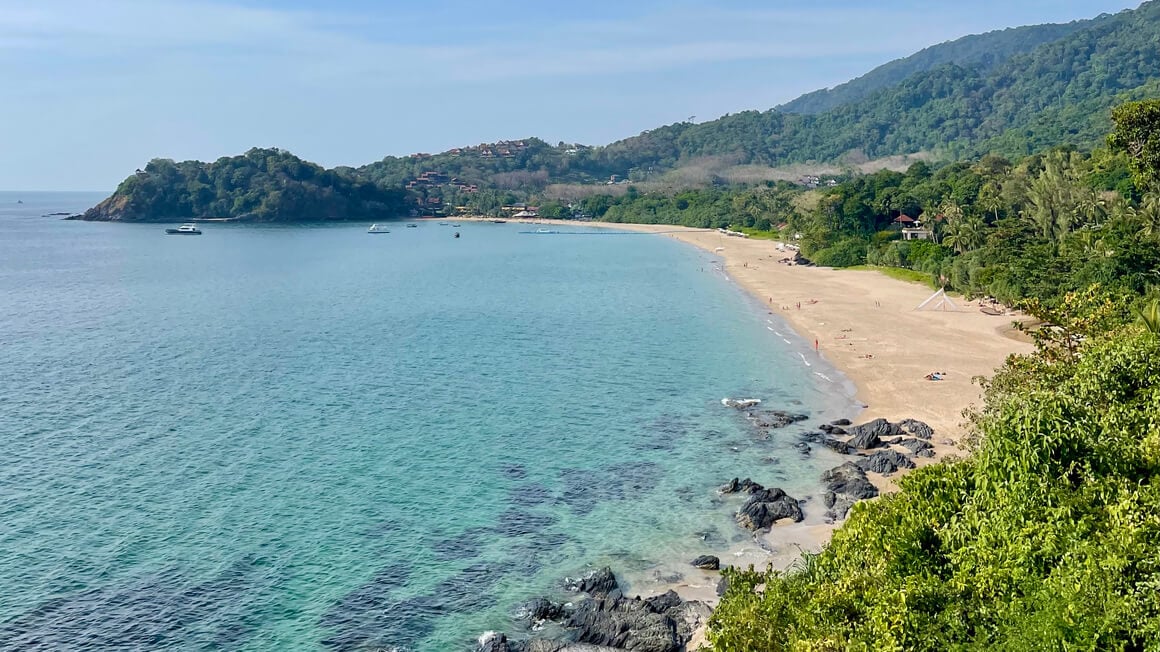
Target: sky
93, 89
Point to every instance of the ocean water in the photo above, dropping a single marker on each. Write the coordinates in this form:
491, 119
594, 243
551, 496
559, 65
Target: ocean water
311, 438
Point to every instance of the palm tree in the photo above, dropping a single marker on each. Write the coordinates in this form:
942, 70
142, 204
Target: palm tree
1147, 214
965, 234
1149, 316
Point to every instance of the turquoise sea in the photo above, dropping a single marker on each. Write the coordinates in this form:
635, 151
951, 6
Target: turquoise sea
311, 438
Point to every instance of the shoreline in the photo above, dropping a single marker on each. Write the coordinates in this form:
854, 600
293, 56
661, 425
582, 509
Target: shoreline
866, 325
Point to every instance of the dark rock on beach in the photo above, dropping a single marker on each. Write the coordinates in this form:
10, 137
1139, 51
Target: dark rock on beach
845, 485
840, 422
869, 435
764, 508
915, 446
885, 462
707, 562
917, 428
838, 446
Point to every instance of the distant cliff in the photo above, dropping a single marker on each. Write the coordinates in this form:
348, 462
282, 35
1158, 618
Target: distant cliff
263, 185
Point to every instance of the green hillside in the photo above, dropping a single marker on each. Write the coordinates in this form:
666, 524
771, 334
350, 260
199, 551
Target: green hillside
261, 185
982, 51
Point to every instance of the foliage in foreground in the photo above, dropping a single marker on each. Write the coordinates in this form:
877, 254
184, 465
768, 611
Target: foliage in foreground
1046, 538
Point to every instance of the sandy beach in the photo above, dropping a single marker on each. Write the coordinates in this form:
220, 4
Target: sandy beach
867, 326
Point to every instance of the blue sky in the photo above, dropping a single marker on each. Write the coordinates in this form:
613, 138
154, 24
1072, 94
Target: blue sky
94, 89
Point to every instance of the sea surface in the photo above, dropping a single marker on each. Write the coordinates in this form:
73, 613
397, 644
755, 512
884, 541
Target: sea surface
310, 438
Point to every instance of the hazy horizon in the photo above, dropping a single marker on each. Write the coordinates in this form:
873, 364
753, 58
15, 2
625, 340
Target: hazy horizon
98, 92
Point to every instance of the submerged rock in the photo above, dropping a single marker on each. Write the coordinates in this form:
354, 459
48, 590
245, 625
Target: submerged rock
764, 508
707, 562
775, 418
736, 485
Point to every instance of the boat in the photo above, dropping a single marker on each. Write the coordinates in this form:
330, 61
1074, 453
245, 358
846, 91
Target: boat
499, 221
375, 228
545, 231
455, 226
184, 229
412, 226
457, 234
444, 224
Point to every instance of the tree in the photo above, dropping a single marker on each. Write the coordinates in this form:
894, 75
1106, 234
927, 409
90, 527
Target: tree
1137, 132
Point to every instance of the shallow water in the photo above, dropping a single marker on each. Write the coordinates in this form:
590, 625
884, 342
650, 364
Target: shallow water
306, 437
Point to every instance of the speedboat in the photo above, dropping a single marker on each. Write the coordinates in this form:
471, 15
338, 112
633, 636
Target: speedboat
184, 229
544, 231
499, 221
375, 228
412, 226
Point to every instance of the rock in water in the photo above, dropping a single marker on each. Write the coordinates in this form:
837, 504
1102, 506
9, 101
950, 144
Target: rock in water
538, 610
917, 428
707, 562
840, 422
740, 486
885, 462
598, 582
766, 507
775, 418
493, 642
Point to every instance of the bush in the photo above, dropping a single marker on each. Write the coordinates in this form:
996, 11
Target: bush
1046, 538
846, 253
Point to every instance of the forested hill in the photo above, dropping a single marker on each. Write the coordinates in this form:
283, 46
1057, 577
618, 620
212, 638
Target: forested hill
983, 51
261, 185
1059, 93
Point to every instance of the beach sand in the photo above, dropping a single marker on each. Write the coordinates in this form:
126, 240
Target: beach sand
867, 326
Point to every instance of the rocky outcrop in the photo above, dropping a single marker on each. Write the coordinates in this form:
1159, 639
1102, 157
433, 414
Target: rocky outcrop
707, 562
765, 507
624, 624
885, 462
608, 621
845, 485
